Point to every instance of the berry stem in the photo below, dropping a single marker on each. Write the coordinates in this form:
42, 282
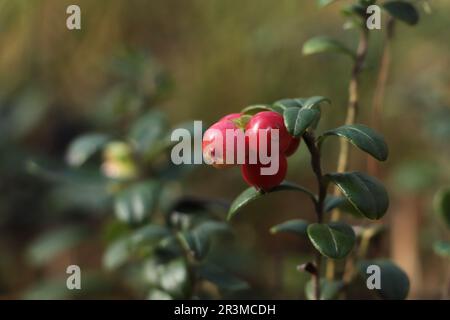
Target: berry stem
310, 142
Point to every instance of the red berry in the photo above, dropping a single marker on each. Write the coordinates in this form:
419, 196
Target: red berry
217, 132
252, 174
267, 120
293, 146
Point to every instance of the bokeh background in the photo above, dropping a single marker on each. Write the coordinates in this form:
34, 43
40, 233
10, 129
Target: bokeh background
199, 60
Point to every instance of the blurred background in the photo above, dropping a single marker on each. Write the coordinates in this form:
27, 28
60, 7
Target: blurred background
138, 69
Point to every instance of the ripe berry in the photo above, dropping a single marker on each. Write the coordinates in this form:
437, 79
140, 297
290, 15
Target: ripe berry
267, 120
217, 132
252, 174
293, 146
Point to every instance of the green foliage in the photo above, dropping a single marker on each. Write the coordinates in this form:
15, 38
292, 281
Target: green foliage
117, 254
323, 44
85, 146
296, 226
328, 289
198, 240
135, 204
394, 281
324, 3
148, 130
402, 11
362, 137
251, 194
298, 120
50, 244
334, 240
221, 278
441, 203
254, 109
365, 193
442, 248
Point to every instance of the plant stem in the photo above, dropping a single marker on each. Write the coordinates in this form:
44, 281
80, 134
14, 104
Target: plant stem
190, 267
352, 111
319, 204
378, 97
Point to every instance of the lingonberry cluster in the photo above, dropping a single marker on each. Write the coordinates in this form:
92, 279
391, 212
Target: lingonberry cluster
260, 128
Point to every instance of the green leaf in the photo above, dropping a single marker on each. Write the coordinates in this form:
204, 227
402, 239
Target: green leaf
442, 248
221, 278
254, 109
251, 194
296, 226
441, 203
403, 11
148, 233
85, 146
116, 254
328, 289
198, 240
416, 176
242, 121
334, 240
148, 131
137, 203
333, 202
156, 294
171, 277
50, 244
362, 137
323, 3
394, 281
314, 101
367, 195
341, 203
284, 104
298, 120
325, 44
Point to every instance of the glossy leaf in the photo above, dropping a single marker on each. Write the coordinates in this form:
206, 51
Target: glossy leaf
441, 203
156, 294
325, 44
394, 281
198, 240
333, 202
85, 146
341, 203
334, 240
314, 101
362, 137
296, 226
366, 194
50, 244
136, 203
442, 248
148, 233
403, 11
251, 194
328, 289
171, 277
116, 254
148, 130
221, 278
254, 109
298, 120
284, 104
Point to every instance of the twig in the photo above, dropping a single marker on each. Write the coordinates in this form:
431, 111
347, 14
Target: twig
380, 89
319, 204
352, 110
